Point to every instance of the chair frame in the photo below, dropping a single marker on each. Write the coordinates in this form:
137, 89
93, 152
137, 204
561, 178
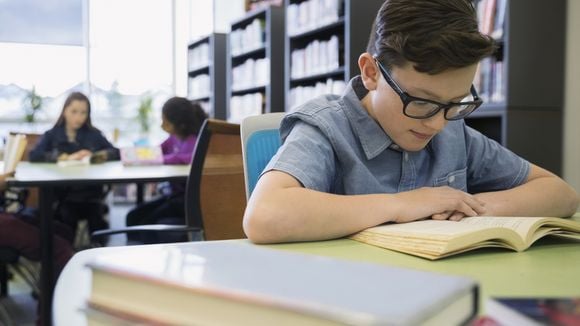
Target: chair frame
193, 189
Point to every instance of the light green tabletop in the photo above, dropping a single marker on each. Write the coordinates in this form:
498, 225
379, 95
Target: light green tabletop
550, 268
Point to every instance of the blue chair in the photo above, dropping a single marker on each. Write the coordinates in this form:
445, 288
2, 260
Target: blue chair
260, 141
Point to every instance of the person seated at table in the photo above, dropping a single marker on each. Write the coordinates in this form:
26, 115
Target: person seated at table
74, 137
22, 234
181, 119
394, 147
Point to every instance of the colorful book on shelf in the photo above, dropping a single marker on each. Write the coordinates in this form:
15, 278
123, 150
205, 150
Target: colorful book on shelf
142, 155
534, 311
237, 283
437, 239
13, 151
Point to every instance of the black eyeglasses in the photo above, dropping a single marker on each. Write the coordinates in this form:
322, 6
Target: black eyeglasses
420, 108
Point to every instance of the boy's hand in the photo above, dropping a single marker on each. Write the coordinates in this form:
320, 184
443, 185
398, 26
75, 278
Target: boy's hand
439, 203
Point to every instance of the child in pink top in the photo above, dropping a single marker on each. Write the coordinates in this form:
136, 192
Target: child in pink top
181, 119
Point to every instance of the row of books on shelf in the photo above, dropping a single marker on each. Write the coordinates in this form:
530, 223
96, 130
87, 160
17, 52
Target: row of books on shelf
245, 105
318, 57
490, 81
199, 86
259, 4
491, 17
205, 105
249, 38
198, 57
251, 73
301, 94
311, 14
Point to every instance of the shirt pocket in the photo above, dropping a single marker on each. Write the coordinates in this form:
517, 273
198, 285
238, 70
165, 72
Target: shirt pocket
455, 179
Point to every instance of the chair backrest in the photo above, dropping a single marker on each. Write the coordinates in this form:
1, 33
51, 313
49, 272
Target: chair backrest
32, 139
31, 194
260, 141
215, 187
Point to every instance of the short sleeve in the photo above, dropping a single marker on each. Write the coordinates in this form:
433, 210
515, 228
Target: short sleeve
492, 167
308, 156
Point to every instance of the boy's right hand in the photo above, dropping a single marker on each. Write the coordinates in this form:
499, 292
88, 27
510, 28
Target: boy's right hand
439, 203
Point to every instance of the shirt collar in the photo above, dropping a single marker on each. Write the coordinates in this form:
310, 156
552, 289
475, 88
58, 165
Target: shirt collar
372, 137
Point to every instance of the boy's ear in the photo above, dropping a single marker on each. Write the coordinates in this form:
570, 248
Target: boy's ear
369, 71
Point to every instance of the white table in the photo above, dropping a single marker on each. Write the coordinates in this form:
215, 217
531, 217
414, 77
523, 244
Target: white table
46, 176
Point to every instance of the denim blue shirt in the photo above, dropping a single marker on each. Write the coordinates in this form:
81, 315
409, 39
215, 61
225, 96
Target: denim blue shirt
331, 144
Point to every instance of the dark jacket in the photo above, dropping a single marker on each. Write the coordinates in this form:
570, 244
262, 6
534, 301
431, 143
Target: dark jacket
54, 142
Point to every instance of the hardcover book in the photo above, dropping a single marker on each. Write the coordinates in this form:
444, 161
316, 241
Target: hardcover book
224, 283
534, 311
434, 239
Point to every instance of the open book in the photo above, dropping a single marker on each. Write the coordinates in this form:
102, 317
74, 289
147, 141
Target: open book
229, 283
437, 239
13, 151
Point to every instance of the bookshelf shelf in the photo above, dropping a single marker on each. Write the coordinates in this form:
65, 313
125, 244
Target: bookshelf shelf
206, 74
198, 70
249, 90
529, 80
316, 77
260, 51
201, 98
339, 24
322, 59
255, 64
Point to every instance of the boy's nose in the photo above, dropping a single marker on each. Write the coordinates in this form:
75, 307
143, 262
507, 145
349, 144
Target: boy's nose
436, 122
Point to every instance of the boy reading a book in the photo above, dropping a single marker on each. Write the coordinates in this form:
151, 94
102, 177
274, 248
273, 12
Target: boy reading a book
394, 147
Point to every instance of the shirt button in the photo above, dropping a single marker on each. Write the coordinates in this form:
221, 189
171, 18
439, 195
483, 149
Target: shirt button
405, 157
451, 179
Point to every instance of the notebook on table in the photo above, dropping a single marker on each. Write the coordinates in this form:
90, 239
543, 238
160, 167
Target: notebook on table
143, 155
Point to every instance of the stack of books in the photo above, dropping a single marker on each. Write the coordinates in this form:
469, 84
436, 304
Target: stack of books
236, 283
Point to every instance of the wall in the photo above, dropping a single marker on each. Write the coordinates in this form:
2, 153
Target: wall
572, 98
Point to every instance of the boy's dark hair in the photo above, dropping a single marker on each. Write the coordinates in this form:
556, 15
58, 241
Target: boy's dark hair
433, 35
186, 116
75, 96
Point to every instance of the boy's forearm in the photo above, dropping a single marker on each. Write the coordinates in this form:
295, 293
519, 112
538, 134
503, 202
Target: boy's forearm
545, 196
299, 214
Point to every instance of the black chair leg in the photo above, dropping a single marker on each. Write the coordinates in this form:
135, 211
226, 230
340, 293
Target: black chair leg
3, 279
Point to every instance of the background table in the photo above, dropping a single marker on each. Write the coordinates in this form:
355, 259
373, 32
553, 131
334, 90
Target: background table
46, 176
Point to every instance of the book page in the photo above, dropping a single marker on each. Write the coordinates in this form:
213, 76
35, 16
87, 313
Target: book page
450, 229
433, 238
521, 225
